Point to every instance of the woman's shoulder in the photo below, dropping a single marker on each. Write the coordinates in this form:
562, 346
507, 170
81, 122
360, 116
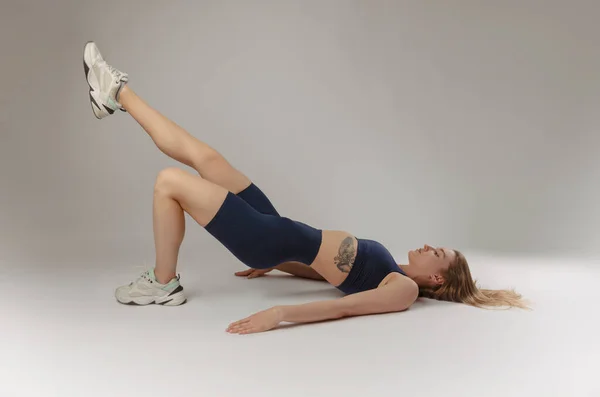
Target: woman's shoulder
403, 290
399, 279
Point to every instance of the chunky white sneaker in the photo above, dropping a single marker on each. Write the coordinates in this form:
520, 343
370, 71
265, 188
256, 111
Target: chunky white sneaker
146, 290
104, 80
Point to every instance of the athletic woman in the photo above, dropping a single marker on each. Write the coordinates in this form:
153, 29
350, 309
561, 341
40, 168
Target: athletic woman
240, 216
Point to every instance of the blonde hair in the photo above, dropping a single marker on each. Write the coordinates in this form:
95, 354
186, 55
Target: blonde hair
460, 287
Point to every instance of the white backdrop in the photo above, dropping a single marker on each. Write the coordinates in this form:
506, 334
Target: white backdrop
470, 124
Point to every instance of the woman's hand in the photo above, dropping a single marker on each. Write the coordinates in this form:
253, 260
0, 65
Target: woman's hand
258, 322
253, 273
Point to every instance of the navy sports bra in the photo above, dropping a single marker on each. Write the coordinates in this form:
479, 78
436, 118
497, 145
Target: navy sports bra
372, 264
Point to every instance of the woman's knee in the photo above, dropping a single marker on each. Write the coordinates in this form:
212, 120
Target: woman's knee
207, 159
169, 179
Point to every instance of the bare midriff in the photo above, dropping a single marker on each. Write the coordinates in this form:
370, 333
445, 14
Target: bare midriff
336, 256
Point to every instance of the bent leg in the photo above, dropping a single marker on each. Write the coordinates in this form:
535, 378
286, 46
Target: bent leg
257, 240
239, 227
177, 191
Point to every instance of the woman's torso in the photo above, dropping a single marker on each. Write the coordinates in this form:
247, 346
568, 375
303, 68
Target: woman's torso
341, 252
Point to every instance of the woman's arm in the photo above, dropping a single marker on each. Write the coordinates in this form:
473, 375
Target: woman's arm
299, 269
294, 268
395, 293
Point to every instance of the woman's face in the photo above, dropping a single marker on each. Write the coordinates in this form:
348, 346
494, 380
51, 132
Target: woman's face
430, 263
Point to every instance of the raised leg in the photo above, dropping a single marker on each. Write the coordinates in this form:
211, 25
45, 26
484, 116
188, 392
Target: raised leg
108, 86
180, 145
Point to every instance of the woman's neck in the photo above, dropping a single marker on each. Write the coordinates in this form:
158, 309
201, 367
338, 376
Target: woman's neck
407, 270
410, 273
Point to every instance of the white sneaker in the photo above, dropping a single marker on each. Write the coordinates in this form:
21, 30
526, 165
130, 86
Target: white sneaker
105, 82
146, 290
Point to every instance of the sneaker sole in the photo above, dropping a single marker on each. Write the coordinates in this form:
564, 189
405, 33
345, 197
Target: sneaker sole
175, 298
171, 302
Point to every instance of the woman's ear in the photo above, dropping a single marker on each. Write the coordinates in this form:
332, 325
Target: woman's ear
437, 279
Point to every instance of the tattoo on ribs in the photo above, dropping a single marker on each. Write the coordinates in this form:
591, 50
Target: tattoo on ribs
343, 259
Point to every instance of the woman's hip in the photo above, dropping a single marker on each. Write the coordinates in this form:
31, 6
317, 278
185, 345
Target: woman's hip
262, 240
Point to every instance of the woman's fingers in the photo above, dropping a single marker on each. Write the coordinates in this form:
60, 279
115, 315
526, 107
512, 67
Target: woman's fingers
252, 273
239, 325
242, 329
257, 273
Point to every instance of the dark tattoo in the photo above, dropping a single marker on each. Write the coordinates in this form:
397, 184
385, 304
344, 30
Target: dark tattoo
345, 255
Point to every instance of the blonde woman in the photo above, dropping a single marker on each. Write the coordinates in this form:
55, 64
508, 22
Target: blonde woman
241, 217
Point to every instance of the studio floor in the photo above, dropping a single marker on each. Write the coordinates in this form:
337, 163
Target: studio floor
62, 334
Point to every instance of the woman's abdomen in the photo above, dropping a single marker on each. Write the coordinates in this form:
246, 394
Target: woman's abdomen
336, 256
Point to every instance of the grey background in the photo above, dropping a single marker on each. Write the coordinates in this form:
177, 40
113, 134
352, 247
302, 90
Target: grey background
470, 124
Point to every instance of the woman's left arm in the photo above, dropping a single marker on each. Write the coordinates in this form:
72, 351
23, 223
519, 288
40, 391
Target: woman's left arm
395, 293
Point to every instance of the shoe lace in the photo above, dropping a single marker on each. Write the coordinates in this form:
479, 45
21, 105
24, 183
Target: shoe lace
146, 273
117, 74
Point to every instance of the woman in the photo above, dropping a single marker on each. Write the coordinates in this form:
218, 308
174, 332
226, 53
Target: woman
238, 214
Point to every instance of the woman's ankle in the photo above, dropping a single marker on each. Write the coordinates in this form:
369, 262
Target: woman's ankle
164, 277
124, 93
